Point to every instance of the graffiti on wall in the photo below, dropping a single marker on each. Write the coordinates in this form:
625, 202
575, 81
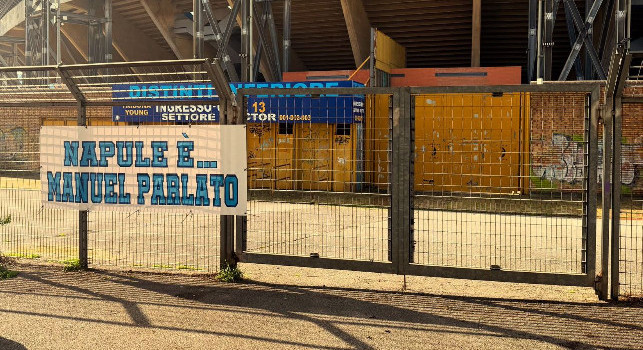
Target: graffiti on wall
563, 161
13, 144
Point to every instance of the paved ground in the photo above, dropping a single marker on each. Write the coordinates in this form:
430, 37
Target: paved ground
285, 307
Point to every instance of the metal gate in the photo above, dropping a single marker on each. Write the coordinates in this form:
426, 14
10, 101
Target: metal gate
493, 183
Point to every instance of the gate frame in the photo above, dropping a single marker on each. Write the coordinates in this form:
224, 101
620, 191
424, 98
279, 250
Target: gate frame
401, 191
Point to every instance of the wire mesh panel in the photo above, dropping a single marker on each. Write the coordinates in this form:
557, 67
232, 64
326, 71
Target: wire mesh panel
178, 240
501, 181
117, 95
30, 230
318, 176
631, 192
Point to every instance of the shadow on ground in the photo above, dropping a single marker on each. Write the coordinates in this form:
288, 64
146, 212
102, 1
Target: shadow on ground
8, 344
343, 313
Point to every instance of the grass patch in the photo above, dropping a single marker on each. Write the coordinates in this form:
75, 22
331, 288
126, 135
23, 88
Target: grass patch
72, 265
187, 267
5, 274
230, 274
162, 266
24, 256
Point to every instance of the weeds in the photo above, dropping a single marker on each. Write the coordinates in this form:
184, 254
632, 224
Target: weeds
5, 220
25, 255
230, 274
4, 273
72, 265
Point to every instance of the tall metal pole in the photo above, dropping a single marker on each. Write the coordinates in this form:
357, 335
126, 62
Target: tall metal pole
286, 64
244, 41
251, 23
108, 31
46, 11
58, 38
197, 29
540, 40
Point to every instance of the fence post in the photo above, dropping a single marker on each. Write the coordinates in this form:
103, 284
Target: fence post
83, 215
226, 239
606, 200
81, 121
616, 198
591, 187
227, 116
401, 179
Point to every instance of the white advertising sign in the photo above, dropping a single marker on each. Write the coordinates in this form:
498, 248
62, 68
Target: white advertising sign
146, 167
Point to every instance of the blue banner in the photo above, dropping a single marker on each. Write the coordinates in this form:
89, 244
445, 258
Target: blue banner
327, 109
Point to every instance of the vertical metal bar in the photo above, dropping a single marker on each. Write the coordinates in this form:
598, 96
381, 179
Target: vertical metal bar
394, 191
241, 237
606, 197
251, 23
411, 181
401, 180
227, 222
197, 29
371, 62
540, 40
245, 75
286, 53
83, 215
91, 33
46, 25
533, 28
108, 31
591, 182
58, 38
550, 16
616, 198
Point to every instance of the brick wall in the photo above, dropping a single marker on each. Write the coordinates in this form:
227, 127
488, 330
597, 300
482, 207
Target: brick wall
556, 142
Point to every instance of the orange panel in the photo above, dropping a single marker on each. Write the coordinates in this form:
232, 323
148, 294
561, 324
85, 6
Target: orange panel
456, 76
261, 155
469, 143
344, 161
315, 156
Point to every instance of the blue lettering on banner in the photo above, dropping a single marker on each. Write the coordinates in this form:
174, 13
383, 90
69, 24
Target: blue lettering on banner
155, 184
328, 108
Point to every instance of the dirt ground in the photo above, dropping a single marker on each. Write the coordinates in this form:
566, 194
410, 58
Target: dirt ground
288, 307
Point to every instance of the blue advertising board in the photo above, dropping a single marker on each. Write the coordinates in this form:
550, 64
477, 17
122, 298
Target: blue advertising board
328, 109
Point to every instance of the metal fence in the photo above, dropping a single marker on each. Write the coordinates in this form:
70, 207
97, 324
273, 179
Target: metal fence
487, 183
31, 97
627, 170
496, 183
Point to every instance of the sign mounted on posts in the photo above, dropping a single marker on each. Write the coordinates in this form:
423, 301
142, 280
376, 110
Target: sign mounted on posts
147, 167
261, 109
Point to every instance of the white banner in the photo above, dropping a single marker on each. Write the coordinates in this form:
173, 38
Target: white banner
153, 167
